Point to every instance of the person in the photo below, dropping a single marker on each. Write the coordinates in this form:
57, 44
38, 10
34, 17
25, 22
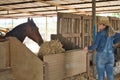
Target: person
104, 46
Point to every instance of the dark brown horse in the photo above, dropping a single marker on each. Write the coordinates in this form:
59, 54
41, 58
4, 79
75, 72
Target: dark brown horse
28, 29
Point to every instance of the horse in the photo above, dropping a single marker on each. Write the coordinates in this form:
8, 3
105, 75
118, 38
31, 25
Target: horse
27, 29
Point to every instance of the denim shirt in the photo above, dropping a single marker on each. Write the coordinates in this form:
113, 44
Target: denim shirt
101, 40
109, 45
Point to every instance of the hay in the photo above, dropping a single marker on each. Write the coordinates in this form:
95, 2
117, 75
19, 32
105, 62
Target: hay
77, 77
50, 47
83, 76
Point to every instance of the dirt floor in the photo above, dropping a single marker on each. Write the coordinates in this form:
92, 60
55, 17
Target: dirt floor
84, 76
117, 77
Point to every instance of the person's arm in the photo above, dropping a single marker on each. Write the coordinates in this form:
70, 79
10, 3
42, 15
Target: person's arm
116, 38
95, 45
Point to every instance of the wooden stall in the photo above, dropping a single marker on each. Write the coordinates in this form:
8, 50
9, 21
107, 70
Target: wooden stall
6, 74
75, 62
115, 22
69, 26
25, 65
76, 30
62, 65
86, 31
54, 66
4, 54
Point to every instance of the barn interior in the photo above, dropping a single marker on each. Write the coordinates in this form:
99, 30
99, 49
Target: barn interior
72, 22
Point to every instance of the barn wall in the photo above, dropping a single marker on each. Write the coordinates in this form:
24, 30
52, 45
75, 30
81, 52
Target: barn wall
78, 29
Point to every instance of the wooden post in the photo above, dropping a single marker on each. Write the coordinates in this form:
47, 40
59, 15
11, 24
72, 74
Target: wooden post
94, 12
94, 31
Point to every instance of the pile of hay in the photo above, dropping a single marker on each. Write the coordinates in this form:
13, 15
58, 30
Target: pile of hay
50, 47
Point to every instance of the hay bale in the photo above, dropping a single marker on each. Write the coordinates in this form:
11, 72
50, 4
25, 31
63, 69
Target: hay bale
50, 47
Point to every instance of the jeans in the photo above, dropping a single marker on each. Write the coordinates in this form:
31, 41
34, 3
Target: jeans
105, 62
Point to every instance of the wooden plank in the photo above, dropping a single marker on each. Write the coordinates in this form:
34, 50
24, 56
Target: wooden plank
114, 22
71, 24
76, 62
87, 30
4, 54
68, 15
71, 35
55, 66
6, 74
24, 63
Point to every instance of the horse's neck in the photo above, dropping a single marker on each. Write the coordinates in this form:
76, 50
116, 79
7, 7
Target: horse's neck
21, 38
18, 33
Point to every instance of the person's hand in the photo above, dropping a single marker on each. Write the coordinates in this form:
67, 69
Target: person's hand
115, 31
112, 28
86, 48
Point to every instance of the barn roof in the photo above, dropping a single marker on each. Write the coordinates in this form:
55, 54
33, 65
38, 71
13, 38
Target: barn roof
30, 8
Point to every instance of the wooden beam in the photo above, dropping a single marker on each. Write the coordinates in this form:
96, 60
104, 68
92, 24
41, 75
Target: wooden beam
16, 3
105, 10
16, 11
16, 16
10, 9
25, 8
58, 5
100, 6
87, 2
52, 5
94, 30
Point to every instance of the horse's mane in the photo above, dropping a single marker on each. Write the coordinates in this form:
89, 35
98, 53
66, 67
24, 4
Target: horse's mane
18, 32
18, 29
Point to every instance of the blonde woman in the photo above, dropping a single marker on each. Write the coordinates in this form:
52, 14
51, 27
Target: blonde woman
104, 49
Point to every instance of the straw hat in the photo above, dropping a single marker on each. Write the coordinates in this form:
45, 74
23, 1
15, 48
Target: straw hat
103, 20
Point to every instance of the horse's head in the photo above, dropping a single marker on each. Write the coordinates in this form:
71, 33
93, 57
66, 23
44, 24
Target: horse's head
33, 32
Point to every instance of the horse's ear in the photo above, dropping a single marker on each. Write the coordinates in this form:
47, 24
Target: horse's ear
32, 20
28, 19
